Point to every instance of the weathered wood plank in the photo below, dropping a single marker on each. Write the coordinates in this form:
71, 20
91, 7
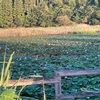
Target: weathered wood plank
58, 88
77, 72
80, 95
32, 81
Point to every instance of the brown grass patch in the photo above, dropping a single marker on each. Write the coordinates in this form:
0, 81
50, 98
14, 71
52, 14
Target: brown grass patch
35, 31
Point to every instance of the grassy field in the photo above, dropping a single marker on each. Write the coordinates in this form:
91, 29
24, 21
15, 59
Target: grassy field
44, 54
36, 31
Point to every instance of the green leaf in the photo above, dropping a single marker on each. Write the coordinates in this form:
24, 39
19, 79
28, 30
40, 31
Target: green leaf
8, 94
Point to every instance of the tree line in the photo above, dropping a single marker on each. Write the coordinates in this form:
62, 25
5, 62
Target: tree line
45, 13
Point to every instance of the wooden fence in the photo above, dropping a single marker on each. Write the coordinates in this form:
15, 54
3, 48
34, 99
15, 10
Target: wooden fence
57, 81
59, 74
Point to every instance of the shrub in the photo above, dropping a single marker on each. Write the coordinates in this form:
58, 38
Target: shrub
95, 18
94, 21
64, 20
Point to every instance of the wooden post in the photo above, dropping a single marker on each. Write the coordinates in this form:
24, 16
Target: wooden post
58, 88
60, 74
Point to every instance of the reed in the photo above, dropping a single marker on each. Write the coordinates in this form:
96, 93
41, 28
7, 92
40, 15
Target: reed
6, 92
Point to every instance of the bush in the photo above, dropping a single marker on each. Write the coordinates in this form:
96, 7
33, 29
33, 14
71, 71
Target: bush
64, 20
94, 21
95, 18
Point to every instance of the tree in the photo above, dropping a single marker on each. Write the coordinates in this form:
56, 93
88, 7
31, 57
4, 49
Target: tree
57, 3
0, 13
71, 3
96, 2
97, 14
81, 2
28, 7
66, 10
45, 12
18, 13
7, 13
95, 18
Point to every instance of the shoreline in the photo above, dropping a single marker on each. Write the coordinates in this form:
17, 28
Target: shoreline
40, 31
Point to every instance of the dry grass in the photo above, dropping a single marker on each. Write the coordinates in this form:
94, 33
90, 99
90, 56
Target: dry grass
22, 31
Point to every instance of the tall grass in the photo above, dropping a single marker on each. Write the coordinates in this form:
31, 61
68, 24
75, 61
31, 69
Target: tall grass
22, 31
7, 93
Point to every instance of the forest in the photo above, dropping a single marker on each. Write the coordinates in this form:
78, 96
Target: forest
46, 13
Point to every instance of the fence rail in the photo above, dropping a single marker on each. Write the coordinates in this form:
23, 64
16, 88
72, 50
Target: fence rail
31, 81
57, 81
77, 72
81, 95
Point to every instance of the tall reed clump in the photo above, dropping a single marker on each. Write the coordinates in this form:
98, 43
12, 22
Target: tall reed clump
6, 92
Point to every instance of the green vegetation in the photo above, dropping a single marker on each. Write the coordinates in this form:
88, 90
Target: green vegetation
7, 93
10, 92
18, 13
28, 13
0, 13
41, 55
7, 17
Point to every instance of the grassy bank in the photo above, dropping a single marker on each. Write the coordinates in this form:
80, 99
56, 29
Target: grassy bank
35, 31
